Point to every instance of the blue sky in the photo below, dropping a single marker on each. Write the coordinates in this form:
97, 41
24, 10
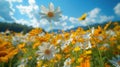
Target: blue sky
27, 12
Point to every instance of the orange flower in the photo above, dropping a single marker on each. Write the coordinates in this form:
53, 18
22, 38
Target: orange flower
67, 49
107, 65
59, 56
7, 53
35, 31
85, 63
36, 45
20, 46
112, 39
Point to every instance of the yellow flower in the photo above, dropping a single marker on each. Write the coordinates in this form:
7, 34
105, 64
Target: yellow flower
77, 48
3, 59
24, 50
107, 25
80, 59
118, 47
54, 41
112, 38
72, 60
88, 52
35, 31
66, 35
83, 17
74, 41
36, 45
7, 53
98, 31
20, 46
30, 57
12, 53
67, 49
45, 65
58, 56
86, 63
80, 40
39, 63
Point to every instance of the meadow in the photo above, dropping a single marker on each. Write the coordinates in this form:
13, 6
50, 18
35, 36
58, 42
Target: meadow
95, 47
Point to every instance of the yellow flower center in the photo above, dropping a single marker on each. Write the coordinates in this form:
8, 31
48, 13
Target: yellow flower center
50, 14
47, 52
68, 63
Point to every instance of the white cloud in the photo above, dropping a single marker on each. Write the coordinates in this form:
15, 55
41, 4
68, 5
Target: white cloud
19, 1
94, 16
31, 11
63, 18
11, 4
25, 9
31, 2
22, 21
68, 27
56, 23
73, 20
6, 10
117, 9
64, 24
94, 13
72, 26
105, 18
43, 22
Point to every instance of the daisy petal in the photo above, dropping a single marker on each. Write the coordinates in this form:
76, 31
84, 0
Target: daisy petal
44, 9
57, 10
51, 7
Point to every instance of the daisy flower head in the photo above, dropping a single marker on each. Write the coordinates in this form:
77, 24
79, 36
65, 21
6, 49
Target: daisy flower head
46, 51
50, 14
23, 63
84, 45
67, 63
115, 61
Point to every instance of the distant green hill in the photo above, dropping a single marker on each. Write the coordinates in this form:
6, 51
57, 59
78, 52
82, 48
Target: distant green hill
14, 27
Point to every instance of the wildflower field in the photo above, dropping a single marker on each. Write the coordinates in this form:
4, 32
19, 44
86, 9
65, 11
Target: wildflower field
95, 47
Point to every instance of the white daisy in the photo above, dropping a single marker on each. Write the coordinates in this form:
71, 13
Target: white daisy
17, 40
23, 63
87, 36
111, 33
84, 45
46, 51
115, 61
50, 13
66, 43
67, 63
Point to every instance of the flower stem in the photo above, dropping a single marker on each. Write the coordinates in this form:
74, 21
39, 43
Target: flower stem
10, 63
51, 27
100, 57
2, 64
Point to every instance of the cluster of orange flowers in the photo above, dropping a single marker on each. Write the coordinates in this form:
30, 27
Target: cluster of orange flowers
7, 51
